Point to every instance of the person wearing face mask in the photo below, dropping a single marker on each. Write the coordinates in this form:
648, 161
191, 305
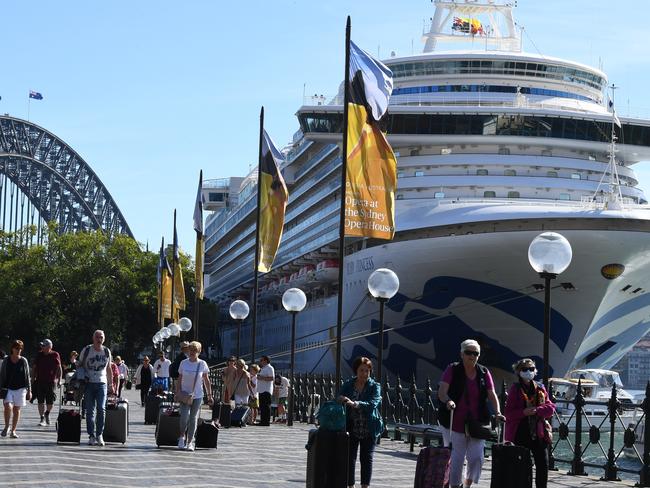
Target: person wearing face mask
527, 408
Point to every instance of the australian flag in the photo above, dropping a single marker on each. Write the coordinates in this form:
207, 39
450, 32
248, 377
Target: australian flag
35, 95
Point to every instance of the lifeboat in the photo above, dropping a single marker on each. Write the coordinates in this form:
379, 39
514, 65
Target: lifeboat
283, 283
305, 275
327, 271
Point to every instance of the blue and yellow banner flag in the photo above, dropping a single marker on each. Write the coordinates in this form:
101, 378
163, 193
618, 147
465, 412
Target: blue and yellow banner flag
273, 203
164, 275
179, 288
371, 171
198, 227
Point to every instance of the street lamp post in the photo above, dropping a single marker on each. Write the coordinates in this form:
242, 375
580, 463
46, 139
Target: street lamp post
239, 311
293, 301
383, 284
549, 254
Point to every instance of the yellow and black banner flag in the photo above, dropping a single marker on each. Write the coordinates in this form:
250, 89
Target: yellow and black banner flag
164, 286
273, 203
198, 227
371, 170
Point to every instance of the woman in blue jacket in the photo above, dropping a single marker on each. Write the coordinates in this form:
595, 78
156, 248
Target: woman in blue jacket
362, 397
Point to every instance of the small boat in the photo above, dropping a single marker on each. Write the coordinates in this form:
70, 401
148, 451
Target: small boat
327, 271
596, 385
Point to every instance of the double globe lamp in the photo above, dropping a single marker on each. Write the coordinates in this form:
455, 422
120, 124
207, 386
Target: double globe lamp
549, 254
293, 301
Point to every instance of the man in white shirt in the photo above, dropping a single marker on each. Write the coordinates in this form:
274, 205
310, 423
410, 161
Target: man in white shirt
161, 368
265, 388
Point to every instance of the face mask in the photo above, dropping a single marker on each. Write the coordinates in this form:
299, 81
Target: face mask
527, 375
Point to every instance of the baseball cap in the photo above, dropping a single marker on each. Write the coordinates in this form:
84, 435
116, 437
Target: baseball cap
46, 343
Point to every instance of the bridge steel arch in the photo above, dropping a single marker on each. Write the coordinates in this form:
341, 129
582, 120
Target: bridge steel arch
56, 180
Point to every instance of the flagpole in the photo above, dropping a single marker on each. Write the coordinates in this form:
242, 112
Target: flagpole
344, 163
257, 237
199, 237
161, 319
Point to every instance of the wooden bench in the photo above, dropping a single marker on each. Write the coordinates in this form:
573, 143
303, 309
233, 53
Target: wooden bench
427, 432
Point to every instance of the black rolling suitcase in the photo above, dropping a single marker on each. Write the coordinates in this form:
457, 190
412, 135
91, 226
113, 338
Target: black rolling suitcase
207, 434
152, 406
239, 416
222, 411
327, 459
116, 426
512, 466
68, 426
168, 428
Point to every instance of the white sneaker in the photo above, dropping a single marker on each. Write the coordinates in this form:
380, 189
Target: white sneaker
181, 442
42, 423
100, 441
190, 446
92, 441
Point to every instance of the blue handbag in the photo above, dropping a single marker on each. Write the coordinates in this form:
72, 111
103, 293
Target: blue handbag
331, 416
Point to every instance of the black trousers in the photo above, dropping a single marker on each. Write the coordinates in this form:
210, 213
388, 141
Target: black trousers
120, 385
539, 451
265, 408
366, 448
144, 391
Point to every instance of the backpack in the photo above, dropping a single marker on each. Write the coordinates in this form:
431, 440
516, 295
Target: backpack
331, 416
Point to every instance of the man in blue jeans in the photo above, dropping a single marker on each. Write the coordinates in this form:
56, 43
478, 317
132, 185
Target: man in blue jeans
96, 359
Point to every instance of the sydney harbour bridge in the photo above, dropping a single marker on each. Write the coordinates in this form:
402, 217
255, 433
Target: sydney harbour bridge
44, 180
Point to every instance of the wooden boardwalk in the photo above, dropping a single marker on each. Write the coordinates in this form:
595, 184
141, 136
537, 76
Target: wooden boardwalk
250, 457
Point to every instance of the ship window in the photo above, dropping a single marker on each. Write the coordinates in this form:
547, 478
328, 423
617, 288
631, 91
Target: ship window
513, 194
400, 174
576, 176
481, 172
419, 173
565, 196
215, 197
439, 194
400, 196
489, 194
551, 174
509, 172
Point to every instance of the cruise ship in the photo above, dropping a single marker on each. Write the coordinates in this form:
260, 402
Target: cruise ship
494, 146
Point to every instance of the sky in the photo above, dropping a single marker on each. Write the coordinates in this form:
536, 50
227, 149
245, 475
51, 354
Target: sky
149, 93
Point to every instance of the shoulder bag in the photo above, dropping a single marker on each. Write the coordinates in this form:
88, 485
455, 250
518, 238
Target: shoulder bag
188, 398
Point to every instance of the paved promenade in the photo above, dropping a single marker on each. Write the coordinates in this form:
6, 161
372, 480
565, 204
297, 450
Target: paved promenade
250, 457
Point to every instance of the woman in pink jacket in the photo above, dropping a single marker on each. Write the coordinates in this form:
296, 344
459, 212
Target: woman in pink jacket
527, 408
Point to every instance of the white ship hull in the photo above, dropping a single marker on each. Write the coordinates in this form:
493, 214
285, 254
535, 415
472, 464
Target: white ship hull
461, 286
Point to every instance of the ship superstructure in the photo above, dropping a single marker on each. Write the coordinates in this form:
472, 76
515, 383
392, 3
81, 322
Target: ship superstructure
494, 146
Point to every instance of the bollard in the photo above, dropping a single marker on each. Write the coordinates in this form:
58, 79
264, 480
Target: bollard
577, 464
611, 470
645, 470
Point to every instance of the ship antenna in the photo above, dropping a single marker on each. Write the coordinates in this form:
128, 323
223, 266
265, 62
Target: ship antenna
614, 198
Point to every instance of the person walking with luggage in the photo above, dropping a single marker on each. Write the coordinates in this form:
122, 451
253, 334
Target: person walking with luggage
15, 385
362, 396
192, 379
265, 388
527, 409
242, 388
95, 359
123, 374
228, 377
47, 377
143, 377
466, 387
161, 367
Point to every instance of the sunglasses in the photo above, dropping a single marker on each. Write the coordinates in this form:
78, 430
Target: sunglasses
532, 368
471, 353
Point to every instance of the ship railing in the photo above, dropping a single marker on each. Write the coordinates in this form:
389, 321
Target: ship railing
596, 444
471, 100
585, 202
